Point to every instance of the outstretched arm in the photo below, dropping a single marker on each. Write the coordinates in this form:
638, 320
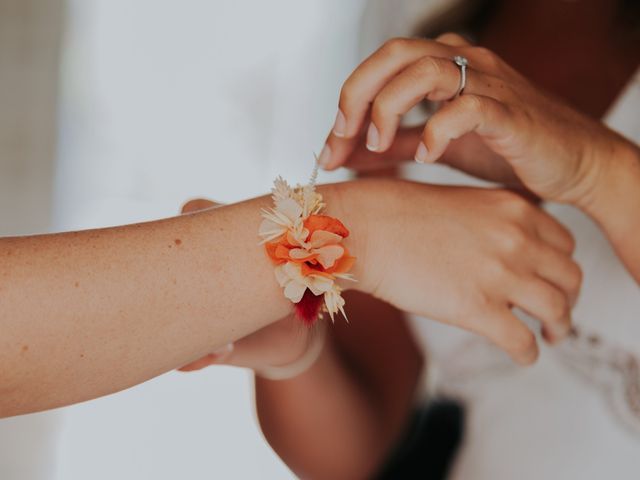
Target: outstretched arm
89, 313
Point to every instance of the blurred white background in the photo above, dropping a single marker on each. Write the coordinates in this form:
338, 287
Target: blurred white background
113, 111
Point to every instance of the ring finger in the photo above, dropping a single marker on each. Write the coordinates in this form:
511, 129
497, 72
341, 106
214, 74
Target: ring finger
433, 78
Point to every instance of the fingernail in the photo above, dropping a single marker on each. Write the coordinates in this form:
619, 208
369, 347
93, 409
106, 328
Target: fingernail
340, 125
421, 153
325, 156
373, 138
228, 348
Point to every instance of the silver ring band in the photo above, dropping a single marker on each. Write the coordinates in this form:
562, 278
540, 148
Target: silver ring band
462, 63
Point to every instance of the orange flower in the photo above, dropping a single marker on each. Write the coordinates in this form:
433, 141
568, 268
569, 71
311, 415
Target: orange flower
306, 248
320, 253
326, 223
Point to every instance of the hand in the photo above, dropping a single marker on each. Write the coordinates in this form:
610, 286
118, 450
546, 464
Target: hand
463, 256
501, 128
278, 344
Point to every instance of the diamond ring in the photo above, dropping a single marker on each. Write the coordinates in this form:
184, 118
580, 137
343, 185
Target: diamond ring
462, 63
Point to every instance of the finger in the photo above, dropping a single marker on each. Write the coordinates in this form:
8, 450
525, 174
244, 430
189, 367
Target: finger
453, 40
222, 355
552, 231
545, 302
198, 204
559, 269
337, 150
371, 75
433, 78
401, 150
199, 364
486, 116
509, 333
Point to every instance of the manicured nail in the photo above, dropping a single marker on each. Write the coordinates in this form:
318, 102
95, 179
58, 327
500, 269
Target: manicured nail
421, 153
373, 138
340, 125
325, 156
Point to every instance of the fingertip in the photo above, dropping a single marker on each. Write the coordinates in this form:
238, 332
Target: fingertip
324, 159
422, 153
528, 352
528, 358
339, 125
373, 138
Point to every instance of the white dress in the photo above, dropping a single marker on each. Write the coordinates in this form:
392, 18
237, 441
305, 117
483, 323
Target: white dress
547, 421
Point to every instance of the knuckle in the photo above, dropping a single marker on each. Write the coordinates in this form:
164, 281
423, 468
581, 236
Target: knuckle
495, 267
382, 107
515, 204
396, 45
347, 96
451, 37
512, 239
429, 66
486, 56
474, 305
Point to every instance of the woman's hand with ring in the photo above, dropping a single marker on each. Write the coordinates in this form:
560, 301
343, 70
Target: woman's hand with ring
501, 128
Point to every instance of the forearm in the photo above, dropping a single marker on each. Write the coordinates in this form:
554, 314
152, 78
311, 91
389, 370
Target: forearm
89, 313
614, 202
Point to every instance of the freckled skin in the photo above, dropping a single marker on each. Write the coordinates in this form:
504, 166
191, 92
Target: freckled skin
101, 311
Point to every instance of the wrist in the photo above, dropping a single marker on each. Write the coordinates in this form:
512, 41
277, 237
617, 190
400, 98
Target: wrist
356, 204
615, 186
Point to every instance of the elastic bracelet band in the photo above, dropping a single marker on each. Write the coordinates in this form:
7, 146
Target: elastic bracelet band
301, 365
306, 249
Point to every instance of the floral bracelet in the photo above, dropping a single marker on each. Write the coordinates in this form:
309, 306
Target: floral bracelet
307, 249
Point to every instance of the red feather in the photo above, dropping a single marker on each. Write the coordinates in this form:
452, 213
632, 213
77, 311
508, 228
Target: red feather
308, 308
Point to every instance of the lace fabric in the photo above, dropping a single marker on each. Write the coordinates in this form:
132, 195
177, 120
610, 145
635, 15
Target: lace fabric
610, 370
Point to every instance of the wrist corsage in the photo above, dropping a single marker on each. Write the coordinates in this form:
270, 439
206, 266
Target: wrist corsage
307, 249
